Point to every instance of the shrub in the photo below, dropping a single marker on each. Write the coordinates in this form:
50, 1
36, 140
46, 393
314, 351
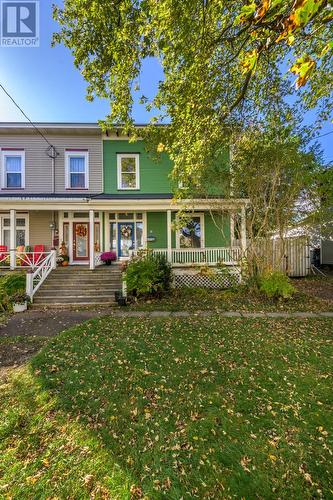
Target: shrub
148, 275
10, 284
13, 282
19, 298
277, 285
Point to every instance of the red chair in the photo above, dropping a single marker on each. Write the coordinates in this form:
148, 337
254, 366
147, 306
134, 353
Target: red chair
3, 248
38, 254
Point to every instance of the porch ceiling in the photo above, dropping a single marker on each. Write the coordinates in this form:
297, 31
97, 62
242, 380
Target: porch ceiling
128, 204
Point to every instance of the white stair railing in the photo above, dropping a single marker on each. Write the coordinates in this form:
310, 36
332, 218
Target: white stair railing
37, 276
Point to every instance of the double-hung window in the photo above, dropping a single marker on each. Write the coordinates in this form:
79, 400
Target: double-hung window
128, 171
13, 165
77, 169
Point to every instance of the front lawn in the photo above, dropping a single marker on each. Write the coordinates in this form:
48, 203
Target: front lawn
173, 408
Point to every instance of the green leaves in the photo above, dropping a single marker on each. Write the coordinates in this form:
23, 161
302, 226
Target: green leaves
246, 12
223, 61
249, 61
303, 67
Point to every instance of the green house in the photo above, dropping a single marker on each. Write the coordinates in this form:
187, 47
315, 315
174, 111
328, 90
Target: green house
141, 187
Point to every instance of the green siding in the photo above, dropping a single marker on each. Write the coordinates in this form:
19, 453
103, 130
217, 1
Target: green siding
154, 176
214, 236
157, 225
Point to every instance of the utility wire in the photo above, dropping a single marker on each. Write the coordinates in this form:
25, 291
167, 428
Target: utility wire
23, 113
322, 135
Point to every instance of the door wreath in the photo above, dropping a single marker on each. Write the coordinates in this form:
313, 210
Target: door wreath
126, 231
81, 230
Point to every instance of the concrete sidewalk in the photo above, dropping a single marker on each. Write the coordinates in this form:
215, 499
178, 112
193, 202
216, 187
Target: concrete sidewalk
51, 322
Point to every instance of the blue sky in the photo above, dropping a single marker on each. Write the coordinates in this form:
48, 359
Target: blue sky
48, 87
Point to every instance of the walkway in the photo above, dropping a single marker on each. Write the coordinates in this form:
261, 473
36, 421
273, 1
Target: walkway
49, 323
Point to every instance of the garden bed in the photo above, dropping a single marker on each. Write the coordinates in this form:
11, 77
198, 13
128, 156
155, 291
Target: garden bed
237, 299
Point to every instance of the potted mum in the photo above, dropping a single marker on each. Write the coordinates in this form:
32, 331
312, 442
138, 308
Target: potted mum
19, 301
65, 260
108, 257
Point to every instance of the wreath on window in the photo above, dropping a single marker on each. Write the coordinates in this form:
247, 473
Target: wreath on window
126, 231
81, 230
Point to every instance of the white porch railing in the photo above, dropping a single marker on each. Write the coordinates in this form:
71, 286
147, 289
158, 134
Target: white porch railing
38, 275
22, 259
200, 256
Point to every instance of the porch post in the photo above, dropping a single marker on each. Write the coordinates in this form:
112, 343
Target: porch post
91, 239
232, 229
12, 239
54, 259
243, 230
169, 236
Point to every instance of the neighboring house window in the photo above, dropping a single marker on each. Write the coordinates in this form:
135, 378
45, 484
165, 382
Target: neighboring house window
13, 163
77, 169
191, 235
128, 171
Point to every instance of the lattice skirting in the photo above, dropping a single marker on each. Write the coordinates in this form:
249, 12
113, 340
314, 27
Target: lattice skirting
203, 281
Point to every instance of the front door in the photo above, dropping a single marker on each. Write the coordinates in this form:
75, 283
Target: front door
125, 238
80, 241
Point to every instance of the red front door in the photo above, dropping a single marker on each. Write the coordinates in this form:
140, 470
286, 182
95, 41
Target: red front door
80, 241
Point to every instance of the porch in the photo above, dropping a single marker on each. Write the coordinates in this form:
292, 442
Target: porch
28, 236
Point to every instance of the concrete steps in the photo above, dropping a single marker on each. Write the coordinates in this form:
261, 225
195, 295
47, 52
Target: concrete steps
79, 286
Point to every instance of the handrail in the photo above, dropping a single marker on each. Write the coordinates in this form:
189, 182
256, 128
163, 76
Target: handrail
200, 256
36, 278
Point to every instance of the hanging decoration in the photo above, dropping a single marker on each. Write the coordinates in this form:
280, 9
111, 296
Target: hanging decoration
126, 231
81, 230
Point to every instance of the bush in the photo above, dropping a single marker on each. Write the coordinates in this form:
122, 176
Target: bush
277, 285
19, 298
148, 275
10, 284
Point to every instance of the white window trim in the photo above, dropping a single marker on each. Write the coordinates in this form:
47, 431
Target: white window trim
202, 238
11, 152
71, 154
7, 228
120, 156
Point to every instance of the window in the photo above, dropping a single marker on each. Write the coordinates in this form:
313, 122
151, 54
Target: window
128, 171
97, 242
21, 231
77, 169
81, 215
191, 235
113, 236
66, 234
13, 163
139, 235
126, 216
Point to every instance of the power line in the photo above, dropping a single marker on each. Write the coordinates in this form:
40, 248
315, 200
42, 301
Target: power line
27, 117
323, 135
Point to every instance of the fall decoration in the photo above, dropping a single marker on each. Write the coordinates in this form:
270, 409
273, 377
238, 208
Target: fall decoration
81, 230
126, 231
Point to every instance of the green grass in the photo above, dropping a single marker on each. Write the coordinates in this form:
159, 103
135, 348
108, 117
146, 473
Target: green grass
239, 299
173, 408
